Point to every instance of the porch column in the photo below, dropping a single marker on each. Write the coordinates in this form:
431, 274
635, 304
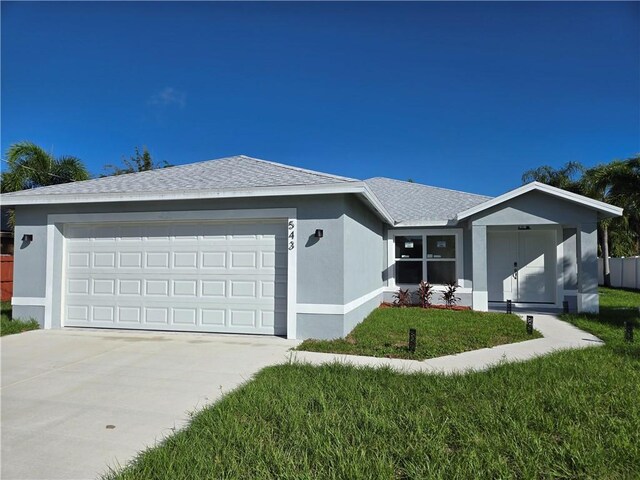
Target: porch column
479, 268
587, 256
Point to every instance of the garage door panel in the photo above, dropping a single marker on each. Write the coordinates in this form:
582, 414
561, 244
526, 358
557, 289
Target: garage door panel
156, 315
103, 314
213, 259
188, 277
103, 286
129, 314
214, 316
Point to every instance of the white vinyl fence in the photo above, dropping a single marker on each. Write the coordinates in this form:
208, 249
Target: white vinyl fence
625, 272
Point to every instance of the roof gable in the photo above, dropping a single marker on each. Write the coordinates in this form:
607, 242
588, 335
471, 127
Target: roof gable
604, 209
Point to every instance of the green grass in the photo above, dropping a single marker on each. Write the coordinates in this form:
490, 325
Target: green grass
617, 306
10, 325
571, 415
385, 333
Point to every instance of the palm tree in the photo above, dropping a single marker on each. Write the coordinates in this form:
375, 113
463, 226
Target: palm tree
566, 177
30, 166
625, 192
602, 183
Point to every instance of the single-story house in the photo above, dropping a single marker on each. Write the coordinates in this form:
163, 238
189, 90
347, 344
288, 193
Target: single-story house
242, 245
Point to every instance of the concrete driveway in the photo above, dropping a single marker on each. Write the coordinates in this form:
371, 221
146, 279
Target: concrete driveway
61, 389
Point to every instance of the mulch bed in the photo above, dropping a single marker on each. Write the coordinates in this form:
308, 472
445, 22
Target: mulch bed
437, 307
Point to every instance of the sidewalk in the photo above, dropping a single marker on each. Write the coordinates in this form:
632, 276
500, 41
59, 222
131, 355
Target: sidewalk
558, 335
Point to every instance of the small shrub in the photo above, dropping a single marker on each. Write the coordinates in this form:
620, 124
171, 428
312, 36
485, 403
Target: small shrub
425, 292
402, 298
449, 295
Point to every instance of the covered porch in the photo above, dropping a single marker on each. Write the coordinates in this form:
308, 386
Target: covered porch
536, 246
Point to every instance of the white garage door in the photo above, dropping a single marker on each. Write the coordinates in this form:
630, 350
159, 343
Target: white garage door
205, 277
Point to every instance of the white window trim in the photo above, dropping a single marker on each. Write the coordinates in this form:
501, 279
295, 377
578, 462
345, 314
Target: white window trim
424, 232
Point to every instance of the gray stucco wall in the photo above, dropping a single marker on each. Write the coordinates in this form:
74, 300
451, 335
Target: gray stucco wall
468, 256
342, 266
313, 212
27, 312
363, 251
326, 327
356, 316
569, 261
535, 208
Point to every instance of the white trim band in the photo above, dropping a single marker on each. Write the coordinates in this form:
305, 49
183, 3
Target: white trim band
29, 301
334, 309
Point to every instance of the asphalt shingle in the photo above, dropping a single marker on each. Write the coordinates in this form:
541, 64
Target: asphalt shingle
226, 173
413, 202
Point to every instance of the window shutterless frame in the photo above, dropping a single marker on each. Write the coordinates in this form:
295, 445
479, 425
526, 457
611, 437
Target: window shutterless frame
425, 234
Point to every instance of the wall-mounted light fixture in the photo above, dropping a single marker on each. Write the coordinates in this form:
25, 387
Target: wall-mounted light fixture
524, 227
319, 233
27, 237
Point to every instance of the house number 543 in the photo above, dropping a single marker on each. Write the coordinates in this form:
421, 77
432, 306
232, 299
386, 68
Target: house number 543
291, 235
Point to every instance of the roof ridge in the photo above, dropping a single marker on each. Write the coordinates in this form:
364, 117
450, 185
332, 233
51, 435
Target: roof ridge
298, 169
430, 186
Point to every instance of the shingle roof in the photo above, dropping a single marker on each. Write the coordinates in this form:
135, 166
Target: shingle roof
225, 173
413, 202
405, 202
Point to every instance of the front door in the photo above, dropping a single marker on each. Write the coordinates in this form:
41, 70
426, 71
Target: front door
521, 266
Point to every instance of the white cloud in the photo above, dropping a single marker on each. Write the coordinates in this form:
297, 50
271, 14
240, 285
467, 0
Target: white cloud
169, 96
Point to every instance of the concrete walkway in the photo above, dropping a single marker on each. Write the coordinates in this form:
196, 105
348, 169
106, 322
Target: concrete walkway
558, 335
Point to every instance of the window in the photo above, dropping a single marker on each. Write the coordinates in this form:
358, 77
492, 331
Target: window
428, 257
409, 254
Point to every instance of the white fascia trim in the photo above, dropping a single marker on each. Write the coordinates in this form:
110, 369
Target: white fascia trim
604, 208
42, 199
426, 223
332, 309
376, 204
29, 301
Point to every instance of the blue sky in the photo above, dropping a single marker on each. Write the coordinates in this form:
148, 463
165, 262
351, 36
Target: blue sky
458, 95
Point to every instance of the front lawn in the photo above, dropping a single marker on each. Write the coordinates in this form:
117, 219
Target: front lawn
617, 306
385, 333
573, 414
11, 325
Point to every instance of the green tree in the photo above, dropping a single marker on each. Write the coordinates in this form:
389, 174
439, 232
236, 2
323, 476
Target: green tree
566, 177
141, 161
30, 166
597, 183
626, 194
